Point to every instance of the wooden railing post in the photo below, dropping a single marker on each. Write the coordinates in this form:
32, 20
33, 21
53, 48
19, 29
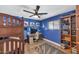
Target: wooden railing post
11, 46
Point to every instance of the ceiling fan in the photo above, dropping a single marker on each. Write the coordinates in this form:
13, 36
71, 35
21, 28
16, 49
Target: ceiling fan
36, 12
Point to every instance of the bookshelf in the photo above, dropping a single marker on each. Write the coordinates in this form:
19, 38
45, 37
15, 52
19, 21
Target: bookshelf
68, 32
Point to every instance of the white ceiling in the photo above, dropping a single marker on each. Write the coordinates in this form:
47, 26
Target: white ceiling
52, 10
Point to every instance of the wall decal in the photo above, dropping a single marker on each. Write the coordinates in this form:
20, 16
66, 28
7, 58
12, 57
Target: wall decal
25, 23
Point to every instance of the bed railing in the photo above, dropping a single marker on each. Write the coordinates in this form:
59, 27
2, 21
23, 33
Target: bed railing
11, 46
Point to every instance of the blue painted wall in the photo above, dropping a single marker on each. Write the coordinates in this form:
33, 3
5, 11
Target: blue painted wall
27, 29
53, 35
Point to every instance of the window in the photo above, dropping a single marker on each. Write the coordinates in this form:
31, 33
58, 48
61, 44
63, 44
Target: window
9, 20
13, 21
18, 22
52, 25
56, 24
4, 20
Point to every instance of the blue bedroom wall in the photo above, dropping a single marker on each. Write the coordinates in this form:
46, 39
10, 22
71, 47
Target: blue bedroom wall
27, 29
53, 35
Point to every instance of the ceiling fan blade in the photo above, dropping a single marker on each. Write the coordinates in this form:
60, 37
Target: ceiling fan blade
31, 15
38, 16
37, 8
28, 11
42, 13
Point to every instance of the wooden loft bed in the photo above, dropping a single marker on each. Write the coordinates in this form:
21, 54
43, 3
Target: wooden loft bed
11, 34
11, 26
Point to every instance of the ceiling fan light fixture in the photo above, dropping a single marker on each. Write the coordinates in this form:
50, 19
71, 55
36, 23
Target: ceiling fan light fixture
35, 16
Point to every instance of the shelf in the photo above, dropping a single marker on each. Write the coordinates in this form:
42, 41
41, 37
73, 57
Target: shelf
66, 39
66, 35
74, 42
68, 50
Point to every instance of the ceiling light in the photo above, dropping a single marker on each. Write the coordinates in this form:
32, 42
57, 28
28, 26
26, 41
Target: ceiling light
35, 16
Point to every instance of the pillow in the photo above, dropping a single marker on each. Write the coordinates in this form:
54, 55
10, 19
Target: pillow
14, 38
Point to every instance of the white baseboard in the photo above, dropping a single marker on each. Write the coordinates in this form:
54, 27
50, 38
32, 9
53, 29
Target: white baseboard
52, 42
